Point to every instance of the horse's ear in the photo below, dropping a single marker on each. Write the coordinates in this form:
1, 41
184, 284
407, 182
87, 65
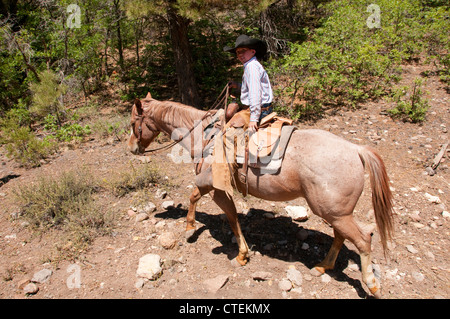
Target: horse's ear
149, 96
138, 104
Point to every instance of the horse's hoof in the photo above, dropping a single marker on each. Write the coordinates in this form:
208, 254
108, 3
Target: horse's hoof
376, 292
317, 271
238, 262
189, 233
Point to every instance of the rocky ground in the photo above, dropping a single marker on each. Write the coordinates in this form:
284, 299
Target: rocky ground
283, 250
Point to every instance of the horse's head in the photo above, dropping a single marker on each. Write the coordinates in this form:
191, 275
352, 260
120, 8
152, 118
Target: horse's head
143, 130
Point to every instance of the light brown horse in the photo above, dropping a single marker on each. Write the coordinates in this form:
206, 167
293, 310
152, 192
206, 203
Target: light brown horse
325, 169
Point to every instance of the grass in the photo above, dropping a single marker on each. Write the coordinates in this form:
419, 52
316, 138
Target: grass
67, 203
68, 206
134, 180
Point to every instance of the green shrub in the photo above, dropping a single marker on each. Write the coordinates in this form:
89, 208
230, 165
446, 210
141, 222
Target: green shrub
344, 62
116, 126
47, 95
413, 108
26, 148
66, 132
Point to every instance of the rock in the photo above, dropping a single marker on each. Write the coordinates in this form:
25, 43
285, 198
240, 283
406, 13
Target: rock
415, 216
297, 290
214, 284
41, 276
430, 171
325, 278
391, 274
352, 266
411, 249
418, 225
167, 204
161, 194
417, 276
302, 234
139, 283
262, 275
131, 213
268, 215
295, 276
149, 208
23, 282
31, 289
149, 267
141, 217
285, 284
445, 214
433, 199
167, 240
297, 213
430, 255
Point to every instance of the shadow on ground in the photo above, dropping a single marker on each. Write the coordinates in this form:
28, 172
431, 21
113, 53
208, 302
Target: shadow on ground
276, 238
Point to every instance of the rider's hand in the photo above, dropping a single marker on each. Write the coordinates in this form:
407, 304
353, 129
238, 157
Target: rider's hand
253, 126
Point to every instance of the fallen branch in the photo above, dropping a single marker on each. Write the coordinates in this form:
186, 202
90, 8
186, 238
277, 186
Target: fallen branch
439, 156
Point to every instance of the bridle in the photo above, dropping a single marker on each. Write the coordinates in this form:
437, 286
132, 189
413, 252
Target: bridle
220, 99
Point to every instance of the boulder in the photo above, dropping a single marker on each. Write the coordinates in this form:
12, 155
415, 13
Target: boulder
149, 267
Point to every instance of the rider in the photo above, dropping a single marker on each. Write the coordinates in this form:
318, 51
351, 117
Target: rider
256, 91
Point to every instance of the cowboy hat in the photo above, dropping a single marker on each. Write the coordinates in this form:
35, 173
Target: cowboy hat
244, 41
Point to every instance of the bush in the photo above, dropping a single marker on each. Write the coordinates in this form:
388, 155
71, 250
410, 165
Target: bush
65, 203
47, 95
345, 62
413, 109
26, 148
67, 132
137, 179
117, 126
21, 143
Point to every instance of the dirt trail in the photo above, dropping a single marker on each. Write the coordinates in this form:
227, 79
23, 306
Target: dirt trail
418, 266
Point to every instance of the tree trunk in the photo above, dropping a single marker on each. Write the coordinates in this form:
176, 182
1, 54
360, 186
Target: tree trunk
118, 15
184, 64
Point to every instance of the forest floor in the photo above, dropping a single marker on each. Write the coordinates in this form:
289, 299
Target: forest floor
417, 265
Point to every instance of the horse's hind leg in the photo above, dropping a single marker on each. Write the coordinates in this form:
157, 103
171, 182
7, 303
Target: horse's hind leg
348, 229
330, 259
227, 205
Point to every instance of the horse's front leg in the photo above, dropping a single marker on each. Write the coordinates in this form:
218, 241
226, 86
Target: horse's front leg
190, 218
204, 185
227, 205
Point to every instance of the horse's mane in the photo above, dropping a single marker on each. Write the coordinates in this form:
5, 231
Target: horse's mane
175, 113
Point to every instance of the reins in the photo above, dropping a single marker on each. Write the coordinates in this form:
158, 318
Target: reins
222, 98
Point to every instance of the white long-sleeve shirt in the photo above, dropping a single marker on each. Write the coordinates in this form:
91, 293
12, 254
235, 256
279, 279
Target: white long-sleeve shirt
255, 89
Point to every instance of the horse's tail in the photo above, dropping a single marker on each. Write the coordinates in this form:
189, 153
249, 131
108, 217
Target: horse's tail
381, 193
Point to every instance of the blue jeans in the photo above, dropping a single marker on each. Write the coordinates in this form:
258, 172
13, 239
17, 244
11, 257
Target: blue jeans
266, 109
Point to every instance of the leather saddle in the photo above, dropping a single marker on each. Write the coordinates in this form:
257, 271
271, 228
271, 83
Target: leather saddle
264, 141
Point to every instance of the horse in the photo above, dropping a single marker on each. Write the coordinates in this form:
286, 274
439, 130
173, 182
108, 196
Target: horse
326, 170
